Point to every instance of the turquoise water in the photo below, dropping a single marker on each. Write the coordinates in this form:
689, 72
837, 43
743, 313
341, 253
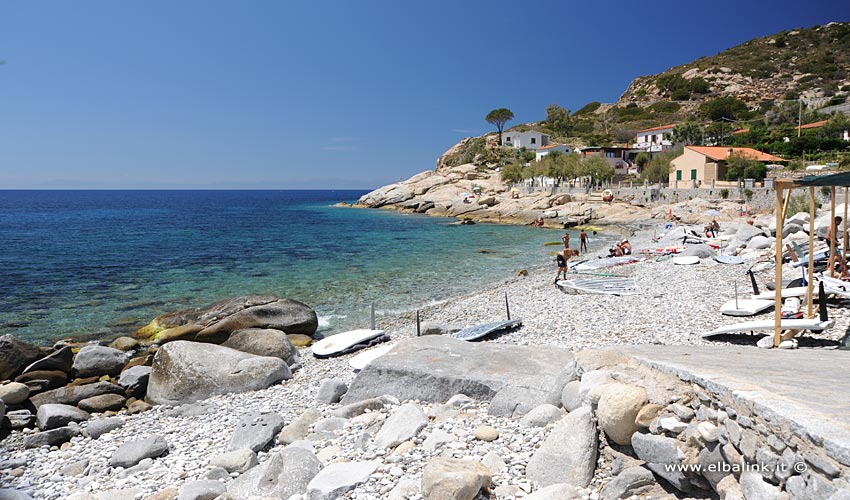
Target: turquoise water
96, 264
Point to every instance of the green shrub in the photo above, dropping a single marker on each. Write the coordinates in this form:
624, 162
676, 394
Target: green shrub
748, 193
826, 191
588, 108
665, 107
680, 95
724, 193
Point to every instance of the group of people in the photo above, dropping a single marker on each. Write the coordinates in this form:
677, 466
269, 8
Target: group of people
566, 253
711, 229
620, 249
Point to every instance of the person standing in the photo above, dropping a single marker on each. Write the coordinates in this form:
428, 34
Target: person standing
582, 239
566, 239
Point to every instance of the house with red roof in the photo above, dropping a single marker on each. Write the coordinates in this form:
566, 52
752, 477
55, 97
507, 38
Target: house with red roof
655, 140
708, 163
545, 150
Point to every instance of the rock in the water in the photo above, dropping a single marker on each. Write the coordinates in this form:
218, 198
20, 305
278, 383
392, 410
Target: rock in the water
124, 344
285, 474
434, 368
133, 452
617, 409
102, 403
264, 342
335, 479
298, 428
452, 478
631, 481
14, 393
15, 355
202, 490
255, 431
53, 437
661, 454
239, 461
402, 425
135, 380
542, 416
561, 491
184, 372
331, 391
99, 360
568, 455
53, 416
101, 426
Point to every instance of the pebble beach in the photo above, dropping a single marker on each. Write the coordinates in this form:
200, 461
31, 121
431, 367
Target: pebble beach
676, 305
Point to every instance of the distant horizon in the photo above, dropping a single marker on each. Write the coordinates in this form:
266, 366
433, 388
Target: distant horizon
212, 95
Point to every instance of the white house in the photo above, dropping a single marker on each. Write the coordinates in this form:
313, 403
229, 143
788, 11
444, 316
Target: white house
532, 139
545, 150
656, 139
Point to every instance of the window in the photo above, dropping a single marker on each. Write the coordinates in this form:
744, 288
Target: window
678, 175
694, 174
610, 154
534, 140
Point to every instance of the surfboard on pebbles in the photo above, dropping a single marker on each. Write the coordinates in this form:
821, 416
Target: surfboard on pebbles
593, 264
364, 358
479, 331
685, 260
346, 342
728, 259
607, 285
745, 307
814, 324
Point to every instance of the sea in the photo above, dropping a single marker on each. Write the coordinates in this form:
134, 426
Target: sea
98, 264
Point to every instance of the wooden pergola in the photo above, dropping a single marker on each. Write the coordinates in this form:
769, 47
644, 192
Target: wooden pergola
783, 196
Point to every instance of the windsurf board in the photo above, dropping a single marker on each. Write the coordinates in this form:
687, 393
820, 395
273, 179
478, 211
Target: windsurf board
609, 286
478, 331
728, 259
338, 344
745, 307
364, 358
814, 324
685, 260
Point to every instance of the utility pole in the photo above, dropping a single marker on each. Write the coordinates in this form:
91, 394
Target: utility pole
799, 117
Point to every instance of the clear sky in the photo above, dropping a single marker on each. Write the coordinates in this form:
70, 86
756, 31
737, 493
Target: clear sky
320, 94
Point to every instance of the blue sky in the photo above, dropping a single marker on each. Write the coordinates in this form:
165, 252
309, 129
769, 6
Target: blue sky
335, 94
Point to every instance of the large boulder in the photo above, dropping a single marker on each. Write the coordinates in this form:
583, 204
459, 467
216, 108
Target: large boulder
760, 243
568, 454
334, 480
14, 393
453, 478
45, 379
134, 380
60, 360
285, 474
73, 394
255, 430
133, 452
402, 425
701, 250
53, 437
15, 355
99, 360
264, 342
53, 416
386, 195
435, 368
663, 456
185, 372
217, 321
617, 409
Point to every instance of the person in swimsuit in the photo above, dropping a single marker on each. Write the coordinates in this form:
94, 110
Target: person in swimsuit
566, 239
832, 236
582, 239
562, 258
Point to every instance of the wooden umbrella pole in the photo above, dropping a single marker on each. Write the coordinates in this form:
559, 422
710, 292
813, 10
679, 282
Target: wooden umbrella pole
777, 306
809, 288
844, 246
833, 230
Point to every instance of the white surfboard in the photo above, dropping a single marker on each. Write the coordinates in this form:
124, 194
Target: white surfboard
728, 259
814, 324
335, 344
797, 291
593, 264
364, 358
745, 307
685, 260
607, 285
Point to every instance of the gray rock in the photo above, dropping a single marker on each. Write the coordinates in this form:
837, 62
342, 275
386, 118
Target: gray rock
570, 373
13, 463
42, 380
542, 416
53, 416
59, 360
453, 478
660, 453
217, 474
265, 342
515, 401
18, 419
823, 464
436, 328
53, 437
329, 424
9, 494
701, 250
15, 355
331, 391
434, 368
570, 396
617, 410
133, 452
437, 439
402, 425
562, 491
285, 474
192, 410
101, 426
14, 393
760, 243
404, 489
250, 312
756, 488
590, 381
712, 464
255, 431
75, 468
746, 232
337, 478
458, 400
298, 428
102, 403
185, 372
359, 407
631, 481
134, 380
568, 454
99, 360
239, 461
201, 490
73, 394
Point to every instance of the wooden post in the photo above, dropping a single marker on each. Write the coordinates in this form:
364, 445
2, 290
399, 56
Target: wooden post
777, 306
809, 286
844, 246
507, 307
834, 231
418, 331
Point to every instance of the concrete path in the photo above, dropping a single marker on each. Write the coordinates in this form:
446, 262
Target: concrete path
808, 388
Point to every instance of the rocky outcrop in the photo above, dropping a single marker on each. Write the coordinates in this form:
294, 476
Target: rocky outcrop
185, 372
15, 355
217, 321
568, 455
264, 342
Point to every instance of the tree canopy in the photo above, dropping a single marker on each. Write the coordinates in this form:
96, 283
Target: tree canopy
558, 119
499, 117
597, 168
688, 133
741, 166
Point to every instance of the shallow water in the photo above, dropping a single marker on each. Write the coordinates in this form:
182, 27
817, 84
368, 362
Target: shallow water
100, 263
